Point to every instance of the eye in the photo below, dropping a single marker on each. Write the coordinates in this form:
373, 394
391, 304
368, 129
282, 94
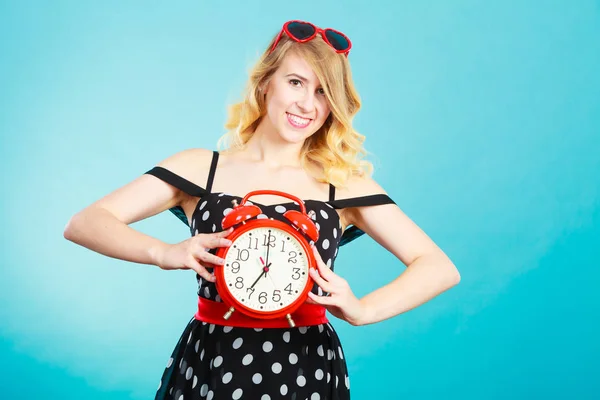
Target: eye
295, 82
321, 91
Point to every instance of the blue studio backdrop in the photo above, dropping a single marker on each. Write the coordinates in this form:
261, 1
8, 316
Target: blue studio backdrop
483, 120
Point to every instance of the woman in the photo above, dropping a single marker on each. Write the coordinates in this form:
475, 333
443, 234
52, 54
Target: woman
291, 133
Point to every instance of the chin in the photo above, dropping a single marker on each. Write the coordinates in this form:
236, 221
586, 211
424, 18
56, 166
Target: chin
295, 136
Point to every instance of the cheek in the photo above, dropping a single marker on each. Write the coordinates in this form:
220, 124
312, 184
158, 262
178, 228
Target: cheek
276, 102
324, 110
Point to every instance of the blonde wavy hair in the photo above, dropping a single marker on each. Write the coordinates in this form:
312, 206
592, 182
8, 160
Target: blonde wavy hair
335, 152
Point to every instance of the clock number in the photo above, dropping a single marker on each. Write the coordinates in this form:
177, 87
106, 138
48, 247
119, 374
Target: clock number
296, 274
283, 246
276, 295
239, 282
250, 243
251, 290
235, 269
270, 240
262, 297
243, 255
288, 288
293, 256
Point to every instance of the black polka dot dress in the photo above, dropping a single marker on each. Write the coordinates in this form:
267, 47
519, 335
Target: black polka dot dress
223, 362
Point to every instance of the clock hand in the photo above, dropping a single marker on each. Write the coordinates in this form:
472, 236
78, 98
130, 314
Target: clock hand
268, 247
270, 275
263, 273
257, 279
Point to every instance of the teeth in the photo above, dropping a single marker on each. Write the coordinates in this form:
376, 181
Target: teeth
298, 120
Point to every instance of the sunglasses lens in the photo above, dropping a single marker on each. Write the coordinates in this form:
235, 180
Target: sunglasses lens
301, 30
337, 40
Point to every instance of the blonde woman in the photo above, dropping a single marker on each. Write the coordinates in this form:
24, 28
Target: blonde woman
292, 133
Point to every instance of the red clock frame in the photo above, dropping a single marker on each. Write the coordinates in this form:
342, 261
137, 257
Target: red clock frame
228, 297
242, 217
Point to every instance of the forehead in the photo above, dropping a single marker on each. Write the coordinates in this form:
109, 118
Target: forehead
296, 64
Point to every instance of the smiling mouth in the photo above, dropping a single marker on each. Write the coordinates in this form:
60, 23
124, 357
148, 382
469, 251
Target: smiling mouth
298, 122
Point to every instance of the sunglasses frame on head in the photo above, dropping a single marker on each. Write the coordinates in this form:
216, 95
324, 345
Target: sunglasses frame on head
317, 30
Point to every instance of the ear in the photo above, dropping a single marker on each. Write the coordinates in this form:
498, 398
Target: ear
264, 87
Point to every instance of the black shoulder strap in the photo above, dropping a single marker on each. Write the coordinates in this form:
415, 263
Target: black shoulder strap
362, 201
353, 232
180, 183
175, 180
331, 192
213, 169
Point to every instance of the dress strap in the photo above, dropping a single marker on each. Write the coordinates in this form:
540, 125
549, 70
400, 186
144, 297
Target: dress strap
353, 232
213, 169
362, 201
331, 192
180, 183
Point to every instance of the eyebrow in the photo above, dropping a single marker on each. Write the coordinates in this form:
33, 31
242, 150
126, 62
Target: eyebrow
297, 76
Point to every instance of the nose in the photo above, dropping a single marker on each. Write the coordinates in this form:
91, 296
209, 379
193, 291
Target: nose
306, 102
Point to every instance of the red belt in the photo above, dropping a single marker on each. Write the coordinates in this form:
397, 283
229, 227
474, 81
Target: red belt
212, 312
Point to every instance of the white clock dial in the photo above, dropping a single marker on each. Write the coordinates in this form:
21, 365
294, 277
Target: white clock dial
266, 269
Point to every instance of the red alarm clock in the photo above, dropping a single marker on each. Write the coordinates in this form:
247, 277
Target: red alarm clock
266, 270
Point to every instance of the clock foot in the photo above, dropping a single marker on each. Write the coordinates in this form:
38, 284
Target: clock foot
290, 321
228, 313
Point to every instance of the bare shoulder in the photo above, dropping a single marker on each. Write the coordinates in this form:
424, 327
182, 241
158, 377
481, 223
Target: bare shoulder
146, 195
358, 186
191, 164
387, 223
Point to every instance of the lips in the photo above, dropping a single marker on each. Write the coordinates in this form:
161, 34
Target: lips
298, 122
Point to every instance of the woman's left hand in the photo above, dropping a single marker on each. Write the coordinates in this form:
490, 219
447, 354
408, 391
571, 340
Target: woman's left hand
340, 302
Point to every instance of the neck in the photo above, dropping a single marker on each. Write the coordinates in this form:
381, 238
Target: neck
268, 147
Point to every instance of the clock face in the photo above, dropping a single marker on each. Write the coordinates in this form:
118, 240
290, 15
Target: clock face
266, 269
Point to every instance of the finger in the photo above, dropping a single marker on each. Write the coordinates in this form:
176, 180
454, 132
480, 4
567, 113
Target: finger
214, 241
323, 269
322, 300
208, 266
327, 273
310, 301
323, 284
209, 257
200, 270
316, 253
224, 233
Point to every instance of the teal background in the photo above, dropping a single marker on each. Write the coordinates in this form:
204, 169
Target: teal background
484, 122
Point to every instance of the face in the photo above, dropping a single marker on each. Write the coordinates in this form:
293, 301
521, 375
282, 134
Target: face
296, 103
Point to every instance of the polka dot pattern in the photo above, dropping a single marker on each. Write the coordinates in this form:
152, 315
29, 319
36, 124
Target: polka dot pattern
276, 368
247, 359
224, 362
267, 346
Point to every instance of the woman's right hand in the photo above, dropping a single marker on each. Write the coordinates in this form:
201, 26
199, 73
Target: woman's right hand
193, 253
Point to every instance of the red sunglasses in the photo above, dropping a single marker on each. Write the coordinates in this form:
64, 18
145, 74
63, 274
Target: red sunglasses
302, 32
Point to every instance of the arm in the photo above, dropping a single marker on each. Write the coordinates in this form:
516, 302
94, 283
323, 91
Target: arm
429, 271
103, 226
